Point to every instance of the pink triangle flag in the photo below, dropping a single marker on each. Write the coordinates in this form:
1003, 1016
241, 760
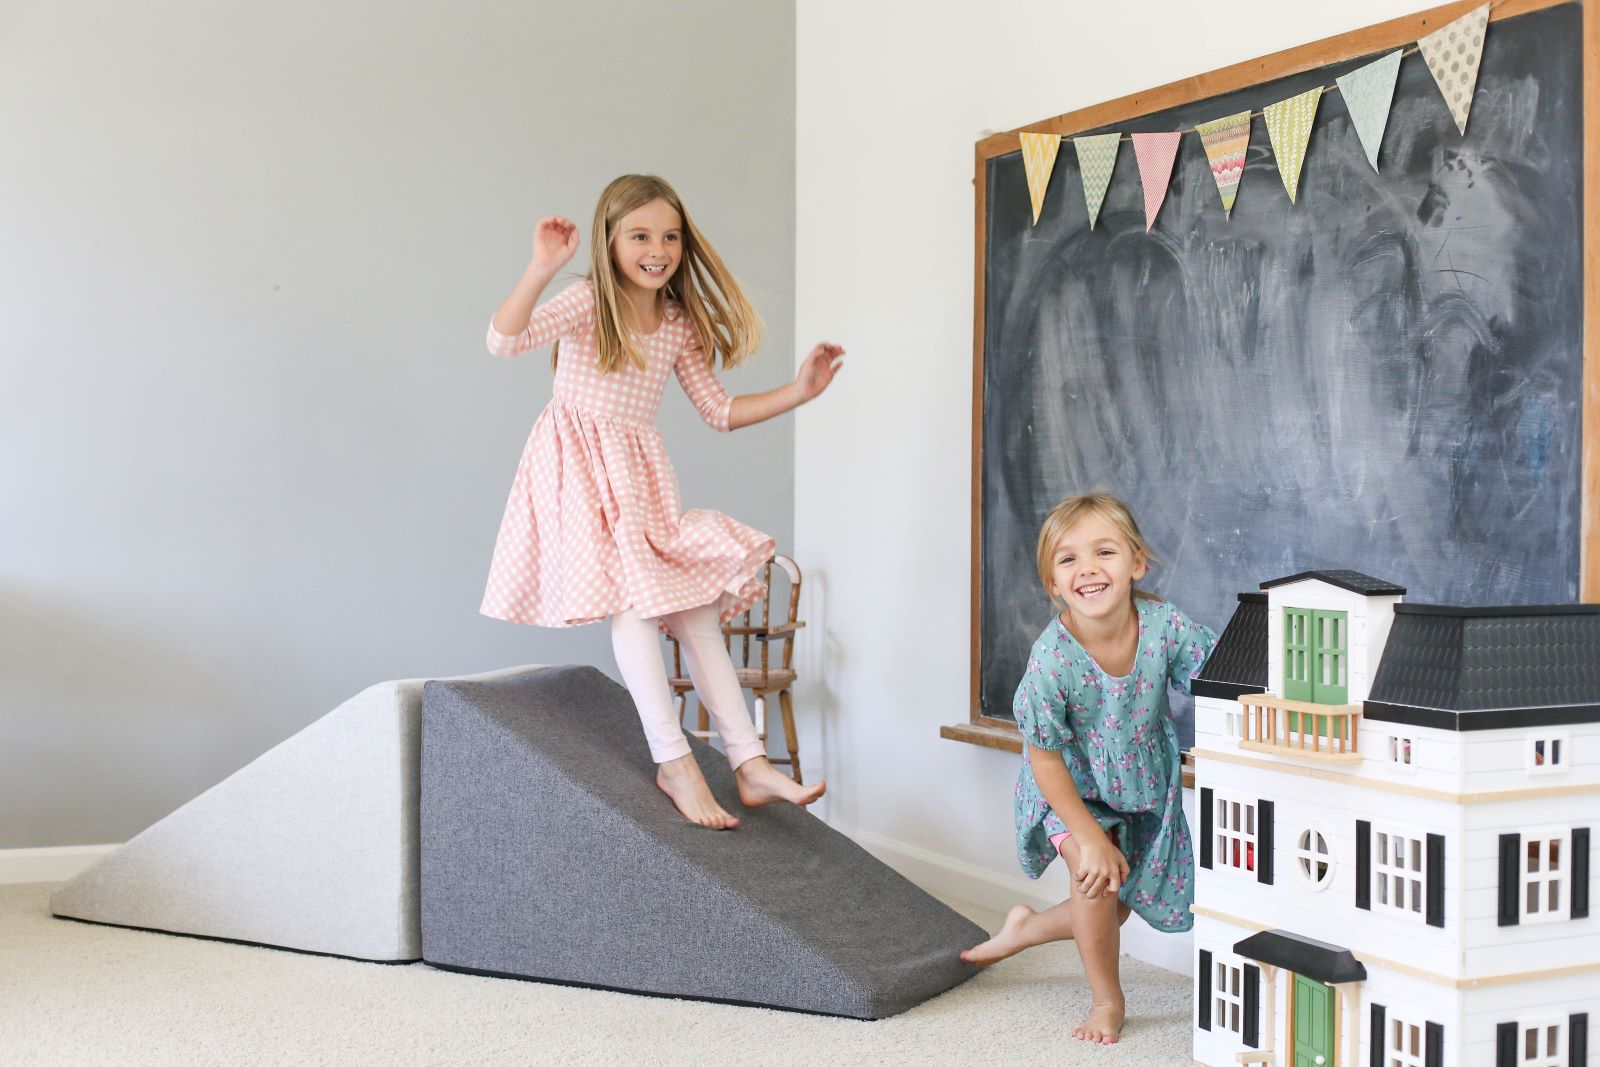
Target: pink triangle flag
1156, 152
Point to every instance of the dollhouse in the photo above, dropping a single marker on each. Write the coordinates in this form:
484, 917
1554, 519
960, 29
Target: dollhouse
1395, 804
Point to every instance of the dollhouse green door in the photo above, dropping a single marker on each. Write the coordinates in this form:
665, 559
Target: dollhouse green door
1313, 1023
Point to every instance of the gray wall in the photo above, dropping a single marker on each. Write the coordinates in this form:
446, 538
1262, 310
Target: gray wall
252, 451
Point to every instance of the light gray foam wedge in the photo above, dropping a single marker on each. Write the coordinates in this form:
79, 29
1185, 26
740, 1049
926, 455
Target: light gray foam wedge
312, 846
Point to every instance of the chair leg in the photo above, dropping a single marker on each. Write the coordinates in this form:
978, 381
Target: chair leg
705, 716
787, 706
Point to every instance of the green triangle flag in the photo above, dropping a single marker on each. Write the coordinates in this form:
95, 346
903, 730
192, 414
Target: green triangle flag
1289, 127
1097, 157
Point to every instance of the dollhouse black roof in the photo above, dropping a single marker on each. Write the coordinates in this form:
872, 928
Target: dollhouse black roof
1489, 668
1303, 955
1238, 661
1355, 581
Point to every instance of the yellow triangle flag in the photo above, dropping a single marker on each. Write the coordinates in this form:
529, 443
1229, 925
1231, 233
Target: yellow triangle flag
1038, 160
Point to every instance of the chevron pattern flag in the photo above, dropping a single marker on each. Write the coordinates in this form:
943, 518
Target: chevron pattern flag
1038, 160
1289, 128
1225, 141
1453, 53
1097, 158
1155, 153
1368, 93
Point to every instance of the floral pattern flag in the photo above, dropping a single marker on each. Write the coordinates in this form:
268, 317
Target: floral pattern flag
1367, 93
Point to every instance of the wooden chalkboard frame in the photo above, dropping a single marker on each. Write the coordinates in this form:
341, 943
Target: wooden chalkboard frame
999, 733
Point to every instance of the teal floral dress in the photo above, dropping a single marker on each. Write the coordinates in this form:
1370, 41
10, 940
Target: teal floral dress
1117, 738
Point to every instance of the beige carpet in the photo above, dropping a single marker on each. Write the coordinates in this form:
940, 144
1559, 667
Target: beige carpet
74, 994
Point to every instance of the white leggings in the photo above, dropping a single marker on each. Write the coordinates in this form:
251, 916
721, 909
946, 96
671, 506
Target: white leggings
636, 641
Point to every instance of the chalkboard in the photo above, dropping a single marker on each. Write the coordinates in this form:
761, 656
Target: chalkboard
1386, 376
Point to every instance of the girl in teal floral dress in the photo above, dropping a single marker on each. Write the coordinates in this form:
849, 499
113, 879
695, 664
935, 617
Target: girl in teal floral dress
1100, 783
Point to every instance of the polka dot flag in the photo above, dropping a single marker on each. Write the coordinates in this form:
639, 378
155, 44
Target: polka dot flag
1453, 54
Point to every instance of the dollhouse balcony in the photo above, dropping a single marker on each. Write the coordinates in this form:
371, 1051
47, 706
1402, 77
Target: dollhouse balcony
1321, 733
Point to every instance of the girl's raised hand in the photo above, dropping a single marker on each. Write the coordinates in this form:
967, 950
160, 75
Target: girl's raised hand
555, 240
817, 372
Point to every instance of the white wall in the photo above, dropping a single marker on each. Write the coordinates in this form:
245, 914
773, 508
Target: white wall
253, 453
892, 98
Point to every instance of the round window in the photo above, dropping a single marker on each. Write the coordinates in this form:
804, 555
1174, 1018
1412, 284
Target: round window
1315, 858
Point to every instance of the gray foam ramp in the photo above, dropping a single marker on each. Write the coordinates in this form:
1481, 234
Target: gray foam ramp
312, 846
548, 853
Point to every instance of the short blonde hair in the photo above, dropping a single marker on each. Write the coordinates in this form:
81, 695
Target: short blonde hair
1073, 510
728, 324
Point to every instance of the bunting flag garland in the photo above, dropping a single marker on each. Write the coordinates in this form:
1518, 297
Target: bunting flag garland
1097, 157
1453, 53
1225, 141
1289, 128
1368, 94
1155, 153
1038, 160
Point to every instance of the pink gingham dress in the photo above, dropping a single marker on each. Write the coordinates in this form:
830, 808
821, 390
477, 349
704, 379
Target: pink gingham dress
593, 526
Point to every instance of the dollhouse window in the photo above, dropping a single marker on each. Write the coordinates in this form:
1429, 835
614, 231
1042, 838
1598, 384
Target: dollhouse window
1542, 1042
1227, 988
1234, 823
1400, 751
1315, 858
1397, 874
1544, 876
1403, 1044
1547, 753
1233, 724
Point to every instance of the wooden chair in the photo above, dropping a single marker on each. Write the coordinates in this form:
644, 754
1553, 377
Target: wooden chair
750, 645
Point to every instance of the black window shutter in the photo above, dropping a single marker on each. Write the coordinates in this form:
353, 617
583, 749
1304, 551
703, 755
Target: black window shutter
1205, 828
1505, 1045
1363, 864
1580, 872
1510, 887
1264, 841
1205, 987
1578, 1039
1252, 1006
1375, 1040
1433, 1050
1435, 880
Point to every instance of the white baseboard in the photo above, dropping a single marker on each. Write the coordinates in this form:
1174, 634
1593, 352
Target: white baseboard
47, 864
948, 877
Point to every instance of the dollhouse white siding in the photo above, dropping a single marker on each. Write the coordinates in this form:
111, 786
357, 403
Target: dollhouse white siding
1330, 914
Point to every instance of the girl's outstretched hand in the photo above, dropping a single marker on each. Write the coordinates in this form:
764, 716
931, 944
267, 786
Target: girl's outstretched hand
555, 240
817, 372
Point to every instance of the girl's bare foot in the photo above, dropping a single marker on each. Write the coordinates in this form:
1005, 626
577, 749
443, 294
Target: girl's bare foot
683, 783
1103, 1026
760, 783
1007, 943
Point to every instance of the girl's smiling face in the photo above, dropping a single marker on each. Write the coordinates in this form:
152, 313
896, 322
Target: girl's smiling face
647, 247
1094, 568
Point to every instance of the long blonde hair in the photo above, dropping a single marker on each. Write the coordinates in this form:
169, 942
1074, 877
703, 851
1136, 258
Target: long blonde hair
729, 327
1073, 510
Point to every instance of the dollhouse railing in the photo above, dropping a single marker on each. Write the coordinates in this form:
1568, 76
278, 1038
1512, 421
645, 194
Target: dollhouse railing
1325, 733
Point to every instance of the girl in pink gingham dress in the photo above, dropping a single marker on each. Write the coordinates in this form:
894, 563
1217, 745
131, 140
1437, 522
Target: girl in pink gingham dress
593, 528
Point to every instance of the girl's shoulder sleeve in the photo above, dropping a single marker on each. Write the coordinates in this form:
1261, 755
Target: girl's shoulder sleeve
1189, 642
1042, 699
